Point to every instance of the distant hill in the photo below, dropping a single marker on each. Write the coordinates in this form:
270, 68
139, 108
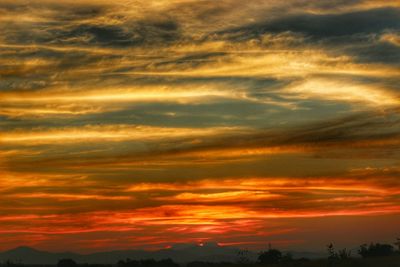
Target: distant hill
180, 253
32, 256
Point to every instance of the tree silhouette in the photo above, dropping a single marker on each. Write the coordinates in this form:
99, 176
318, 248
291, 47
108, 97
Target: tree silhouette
287, 258
147, 263
375, 250
243, 256
271, 256
67, 263
201, 264
167, 263
397, 243
344, 254
332, 255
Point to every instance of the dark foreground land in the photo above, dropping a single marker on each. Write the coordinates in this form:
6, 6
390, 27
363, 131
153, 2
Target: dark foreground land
389, 261
372, 255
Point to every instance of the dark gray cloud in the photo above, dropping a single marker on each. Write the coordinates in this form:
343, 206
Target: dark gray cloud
349, 130
375, 52
84, 24
326, 25
137, 33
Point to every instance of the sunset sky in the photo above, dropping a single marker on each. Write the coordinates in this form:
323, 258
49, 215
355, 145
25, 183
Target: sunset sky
139, 124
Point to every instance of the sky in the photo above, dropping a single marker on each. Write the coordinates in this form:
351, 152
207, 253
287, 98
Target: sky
133, 124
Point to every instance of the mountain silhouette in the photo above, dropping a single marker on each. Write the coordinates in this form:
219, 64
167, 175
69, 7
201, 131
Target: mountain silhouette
32, 256
178, 253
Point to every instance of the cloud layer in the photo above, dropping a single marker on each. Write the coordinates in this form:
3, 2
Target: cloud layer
132, 124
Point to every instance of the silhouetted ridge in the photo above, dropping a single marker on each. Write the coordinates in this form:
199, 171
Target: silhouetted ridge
206, 255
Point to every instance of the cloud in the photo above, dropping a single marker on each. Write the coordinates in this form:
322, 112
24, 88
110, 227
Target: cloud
177, 146
140, 33
328, 25
142, 124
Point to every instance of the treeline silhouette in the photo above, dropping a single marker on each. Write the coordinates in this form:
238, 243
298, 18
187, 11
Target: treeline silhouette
144, 263
369, 255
